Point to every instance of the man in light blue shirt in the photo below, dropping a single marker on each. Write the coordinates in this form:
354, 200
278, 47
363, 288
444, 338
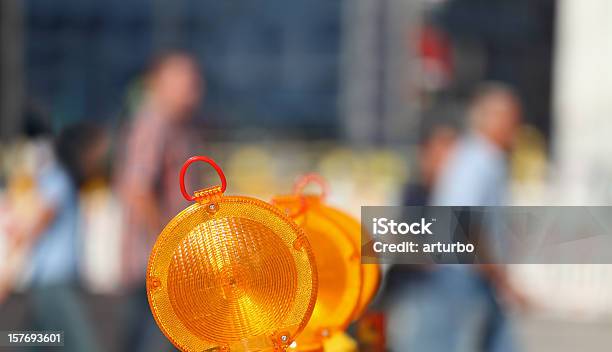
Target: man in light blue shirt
476, 174
454, 307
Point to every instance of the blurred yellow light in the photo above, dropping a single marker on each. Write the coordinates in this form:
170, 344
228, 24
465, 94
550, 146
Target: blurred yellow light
231, 273
338, 264
370, 272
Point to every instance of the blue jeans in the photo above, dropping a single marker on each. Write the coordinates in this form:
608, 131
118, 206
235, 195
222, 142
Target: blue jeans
449, 309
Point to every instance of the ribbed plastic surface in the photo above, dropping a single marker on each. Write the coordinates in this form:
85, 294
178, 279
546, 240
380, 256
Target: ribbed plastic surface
370, 272
338, 266
237, 276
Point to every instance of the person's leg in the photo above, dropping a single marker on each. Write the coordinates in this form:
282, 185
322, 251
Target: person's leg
417, 320
130, 320
60, 308
142, 333
499, 336
444, 311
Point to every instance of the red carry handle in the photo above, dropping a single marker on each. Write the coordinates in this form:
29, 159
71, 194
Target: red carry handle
311, 178
207, 160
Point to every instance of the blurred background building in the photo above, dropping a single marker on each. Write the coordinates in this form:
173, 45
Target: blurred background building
343, 88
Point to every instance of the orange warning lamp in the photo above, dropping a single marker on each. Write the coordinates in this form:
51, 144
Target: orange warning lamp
230, 273
338, 263
371, 273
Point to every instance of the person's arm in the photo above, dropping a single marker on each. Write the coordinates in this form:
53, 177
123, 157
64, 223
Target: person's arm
143, 168
144, 209
21, 239
52, 193
42, 220
507, 291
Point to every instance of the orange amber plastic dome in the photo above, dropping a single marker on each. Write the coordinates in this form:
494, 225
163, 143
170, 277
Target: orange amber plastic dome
231, 273
370, 279
371, 273
336, 249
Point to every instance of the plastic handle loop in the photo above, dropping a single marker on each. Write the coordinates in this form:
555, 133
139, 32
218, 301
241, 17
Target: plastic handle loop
307, 179
207, 160
294, 214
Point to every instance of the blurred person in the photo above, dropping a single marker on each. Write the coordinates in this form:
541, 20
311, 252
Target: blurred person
19, 204
434, 149
477, 173
158, 141
437, 143
99, 228
456, 307
50, 234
